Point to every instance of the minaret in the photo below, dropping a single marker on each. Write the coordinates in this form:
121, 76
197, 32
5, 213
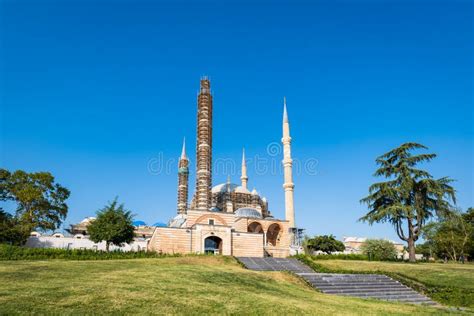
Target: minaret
183, 175
288, 169
204, 147
228, 204
244, 177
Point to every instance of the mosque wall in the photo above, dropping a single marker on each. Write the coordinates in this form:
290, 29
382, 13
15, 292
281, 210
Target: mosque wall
171, 240
247, 244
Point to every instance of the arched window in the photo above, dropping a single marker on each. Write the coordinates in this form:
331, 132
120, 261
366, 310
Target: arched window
255, 227
273, 234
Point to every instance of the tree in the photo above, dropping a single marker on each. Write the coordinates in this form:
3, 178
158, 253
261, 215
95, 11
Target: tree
409, 197
112, 225
40, 202
451, 236
425, 249
469, 219
379, 249
11, 230
326, 244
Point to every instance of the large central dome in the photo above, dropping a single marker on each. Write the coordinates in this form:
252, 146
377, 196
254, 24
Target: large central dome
230, 198
232, 187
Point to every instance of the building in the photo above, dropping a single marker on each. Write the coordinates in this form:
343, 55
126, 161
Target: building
79, 241
76, 237
354, 244
227, 218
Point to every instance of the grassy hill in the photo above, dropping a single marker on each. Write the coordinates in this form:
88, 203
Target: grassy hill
449, 284
184, 285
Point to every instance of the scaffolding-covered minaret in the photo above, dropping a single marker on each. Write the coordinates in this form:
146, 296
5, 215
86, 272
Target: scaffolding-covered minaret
288, 169
204, 147
183, 176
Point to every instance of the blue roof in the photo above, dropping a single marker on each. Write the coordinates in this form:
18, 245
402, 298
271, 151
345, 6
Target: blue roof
159, 224
138, 223
248, 212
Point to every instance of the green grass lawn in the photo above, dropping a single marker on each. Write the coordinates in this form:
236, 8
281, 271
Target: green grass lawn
451, 284
183, 285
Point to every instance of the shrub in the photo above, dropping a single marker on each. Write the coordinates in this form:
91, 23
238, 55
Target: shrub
325, 243
8, 252
379, 249
341, 256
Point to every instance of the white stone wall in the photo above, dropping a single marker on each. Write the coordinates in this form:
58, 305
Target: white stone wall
81, 243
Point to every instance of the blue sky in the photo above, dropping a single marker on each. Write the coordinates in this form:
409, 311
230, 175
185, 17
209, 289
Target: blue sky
96, 92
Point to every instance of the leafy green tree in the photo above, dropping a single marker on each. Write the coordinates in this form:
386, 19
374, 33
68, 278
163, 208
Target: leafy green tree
469, 219
40, 202
326, 243
379, 249
12, 231
451, 236
425, 249
409, 197
112, 225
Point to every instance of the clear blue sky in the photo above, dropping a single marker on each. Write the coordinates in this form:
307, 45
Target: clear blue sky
92, 91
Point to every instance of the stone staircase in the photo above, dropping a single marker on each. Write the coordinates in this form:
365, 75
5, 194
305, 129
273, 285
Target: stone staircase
358, 285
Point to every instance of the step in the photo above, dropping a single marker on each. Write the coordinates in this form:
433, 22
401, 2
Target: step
377, 286
367, 289
365, 293
343, 283
391, 295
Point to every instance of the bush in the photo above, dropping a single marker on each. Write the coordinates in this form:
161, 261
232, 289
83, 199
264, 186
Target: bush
341, 256
325, 243
8, 252
379, 249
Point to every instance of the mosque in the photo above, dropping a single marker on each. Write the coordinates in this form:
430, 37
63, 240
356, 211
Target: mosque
228, 218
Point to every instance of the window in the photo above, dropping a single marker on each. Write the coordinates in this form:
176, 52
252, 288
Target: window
211, 222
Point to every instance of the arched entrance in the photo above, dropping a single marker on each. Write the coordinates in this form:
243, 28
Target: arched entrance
255, 227
273, 234
213, 245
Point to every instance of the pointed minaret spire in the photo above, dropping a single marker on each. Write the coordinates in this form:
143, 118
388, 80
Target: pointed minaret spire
244, 179
288, 169
285, 114
183, 151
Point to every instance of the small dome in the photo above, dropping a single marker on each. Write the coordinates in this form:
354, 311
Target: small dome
159, 224
139, 223
214, 209
88, 219
248, 212
254, 192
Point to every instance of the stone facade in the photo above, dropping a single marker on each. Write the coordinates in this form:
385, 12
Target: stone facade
236, 236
